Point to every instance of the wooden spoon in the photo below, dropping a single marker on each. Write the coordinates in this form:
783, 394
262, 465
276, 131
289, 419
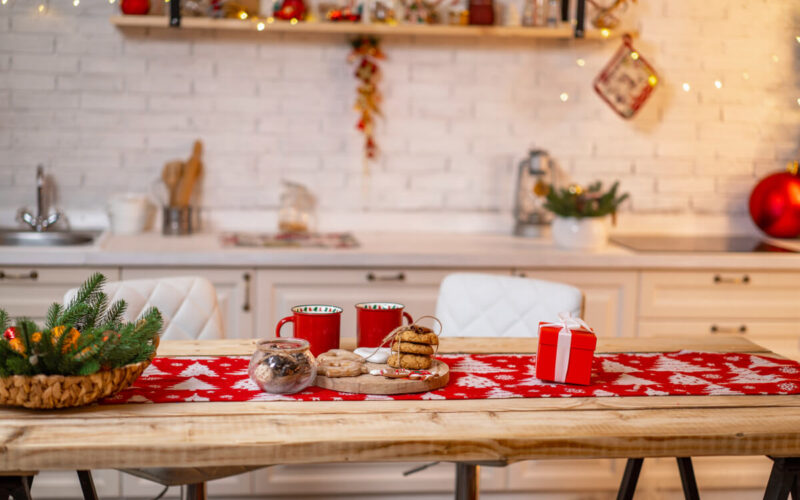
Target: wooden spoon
171, 175
191, 172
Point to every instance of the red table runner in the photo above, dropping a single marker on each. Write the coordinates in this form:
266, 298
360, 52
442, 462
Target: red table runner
485, 376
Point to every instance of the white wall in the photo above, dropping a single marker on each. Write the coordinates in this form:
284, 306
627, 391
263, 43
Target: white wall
103, 109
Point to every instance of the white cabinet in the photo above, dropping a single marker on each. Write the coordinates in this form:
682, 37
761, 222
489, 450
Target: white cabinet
235, 292
29, 291
609, 297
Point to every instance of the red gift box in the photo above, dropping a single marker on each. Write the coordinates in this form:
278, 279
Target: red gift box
566, 350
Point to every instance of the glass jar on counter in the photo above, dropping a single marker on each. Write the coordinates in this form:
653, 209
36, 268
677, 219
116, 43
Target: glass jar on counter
282, 366
298, 209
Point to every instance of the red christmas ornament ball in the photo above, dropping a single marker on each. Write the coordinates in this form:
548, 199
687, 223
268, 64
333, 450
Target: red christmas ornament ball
135, 7
775, 205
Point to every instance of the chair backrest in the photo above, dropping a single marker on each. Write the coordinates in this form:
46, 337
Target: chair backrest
188, 305
487, 305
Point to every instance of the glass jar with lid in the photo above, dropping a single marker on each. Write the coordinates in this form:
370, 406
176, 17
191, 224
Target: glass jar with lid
282, 366
298, 209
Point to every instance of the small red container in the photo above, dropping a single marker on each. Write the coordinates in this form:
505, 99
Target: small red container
581, 353
318, 324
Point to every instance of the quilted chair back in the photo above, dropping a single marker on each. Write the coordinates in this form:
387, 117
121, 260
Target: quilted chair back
188, 305
486, 305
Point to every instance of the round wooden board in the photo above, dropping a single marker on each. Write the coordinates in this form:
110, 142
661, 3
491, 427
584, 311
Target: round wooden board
376, 384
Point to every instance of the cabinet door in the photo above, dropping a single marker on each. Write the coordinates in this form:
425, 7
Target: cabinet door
280, 290
235, 293
609, 297
29, 291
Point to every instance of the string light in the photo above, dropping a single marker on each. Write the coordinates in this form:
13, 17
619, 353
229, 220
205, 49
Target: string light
260, 26
270, 20
797, 38
564, 97
686, 87
41, 8
635, 56
4, 2
293, 21
242, 15
75, 3
111, 1
718, 84
774, 58
746, 75
798, 101
580, 62
652, 80
605, 32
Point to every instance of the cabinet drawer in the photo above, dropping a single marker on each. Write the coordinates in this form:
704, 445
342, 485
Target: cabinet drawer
739, 294
29, 291
782, 337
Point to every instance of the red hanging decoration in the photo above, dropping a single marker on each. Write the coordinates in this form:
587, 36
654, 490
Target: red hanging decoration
627, 80
775, 203
368, 98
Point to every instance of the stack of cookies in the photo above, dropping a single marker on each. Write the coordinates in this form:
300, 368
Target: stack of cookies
413, 348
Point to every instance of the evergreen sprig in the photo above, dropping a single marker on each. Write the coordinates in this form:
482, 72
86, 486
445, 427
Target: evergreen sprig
86, 336
574, 201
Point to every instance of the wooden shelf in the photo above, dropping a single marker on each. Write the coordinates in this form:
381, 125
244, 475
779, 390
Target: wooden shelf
562, 32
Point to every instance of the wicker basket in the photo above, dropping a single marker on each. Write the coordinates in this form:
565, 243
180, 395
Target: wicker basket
57, 391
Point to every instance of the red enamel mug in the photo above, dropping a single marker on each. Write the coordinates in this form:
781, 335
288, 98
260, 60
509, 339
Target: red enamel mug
376, 320
318, 324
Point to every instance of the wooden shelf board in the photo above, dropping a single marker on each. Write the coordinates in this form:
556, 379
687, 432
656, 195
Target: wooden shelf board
562, 32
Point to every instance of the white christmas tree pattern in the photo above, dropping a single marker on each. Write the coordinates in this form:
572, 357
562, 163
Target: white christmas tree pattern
196, 369
476, 382
747, 376
193, 384
498, 393
472, 365
668, 364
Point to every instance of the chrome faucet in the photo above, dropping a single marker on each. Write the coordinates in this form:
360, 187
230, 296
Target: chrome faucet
39, 222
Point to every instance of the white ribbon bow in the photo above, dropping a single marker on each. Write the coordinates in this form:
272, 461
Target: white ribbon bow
566, 321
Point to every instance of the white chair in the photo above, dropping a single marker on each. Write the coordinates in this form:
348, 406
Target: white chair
191, 312
188, 305
487, 305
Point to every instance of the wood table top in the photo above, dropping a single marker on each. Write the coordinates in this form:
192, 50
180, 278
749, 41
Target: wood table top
501, 431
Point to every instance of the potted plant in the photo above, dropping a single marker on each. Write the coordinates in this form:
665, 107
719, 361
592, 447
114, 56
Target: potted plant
581, 214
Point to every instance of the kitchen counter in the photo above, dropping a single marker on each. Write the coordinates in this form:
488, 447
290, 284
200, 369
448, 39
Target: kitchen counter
382, 250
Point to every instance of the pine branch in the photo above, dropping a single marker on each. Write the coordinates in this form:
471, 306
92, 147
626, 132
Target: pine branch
114, 314
53, 313
5, 321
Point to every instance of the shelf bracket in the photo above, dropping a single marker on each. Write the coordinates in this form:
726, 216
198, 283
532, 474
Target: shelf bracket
580, 19
175, 13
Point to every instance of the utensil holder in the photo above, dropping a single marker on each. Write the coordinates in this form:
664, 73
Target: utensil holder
178, 221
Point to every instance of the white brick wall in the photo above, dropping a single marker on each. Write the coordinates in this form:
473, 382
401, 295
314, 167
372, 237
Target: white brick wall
104, 109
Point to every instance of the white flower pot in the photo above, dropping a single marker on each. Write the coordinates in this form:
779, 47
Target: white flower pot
584, 233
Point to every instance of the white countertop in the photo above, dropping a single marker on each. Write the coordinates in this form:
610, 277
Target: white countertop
381, 250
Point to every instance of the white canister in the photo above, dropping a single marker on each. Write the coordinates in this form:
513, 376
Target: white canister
127, 213
580, 233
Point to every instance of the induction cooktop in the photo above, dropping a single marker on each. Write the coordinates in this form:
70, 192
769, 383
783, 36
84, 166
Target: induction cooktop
660, 243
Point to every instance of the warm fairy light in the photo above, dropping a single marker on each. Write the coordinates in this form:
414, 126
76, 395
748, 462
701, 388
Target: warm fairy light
41, 8
718, 84
270, 20
4, 2
564, 97
686, 87
746, 75
260, 26
775, 58
652, 80
797, 38
634, 56
798, 101
75, 3
242, 15
605, 32
111, 1
580, 62
293, 21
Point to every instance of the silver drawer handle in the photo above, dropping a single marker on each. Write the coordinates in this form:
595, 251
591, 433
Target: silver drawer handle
246, 305
401, 276
30, 275
732, 280
728, 329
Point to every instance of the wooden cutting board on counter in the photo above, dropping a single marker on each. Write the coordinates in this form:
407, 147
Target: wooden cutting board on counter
377, 384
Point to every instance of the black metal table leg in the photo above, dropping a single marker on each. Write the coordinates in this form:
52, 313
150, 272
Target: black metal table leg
796, 487
175, 13
467, 481
87, 485
580, 19
688, 481
16, 487
564, 10
196, 491
629, 479
783, 478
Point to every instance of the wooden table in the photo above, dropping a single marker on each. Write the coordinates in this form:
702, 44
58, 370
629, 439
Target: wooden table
473, 431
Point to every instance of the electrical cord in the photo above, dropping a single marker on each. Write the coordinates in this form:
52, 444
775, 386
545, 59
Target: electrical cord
163, 492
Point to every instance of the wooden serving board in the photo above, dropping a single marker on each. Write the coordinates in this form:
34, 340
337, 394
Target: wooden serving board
376, 384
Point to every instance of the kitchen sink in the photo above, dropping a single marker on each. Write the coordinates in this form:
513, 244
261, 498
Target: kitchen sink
13, 237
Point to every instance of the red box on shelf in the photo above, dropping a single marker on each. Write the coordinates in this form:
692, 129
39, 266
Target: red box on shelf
566, 351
